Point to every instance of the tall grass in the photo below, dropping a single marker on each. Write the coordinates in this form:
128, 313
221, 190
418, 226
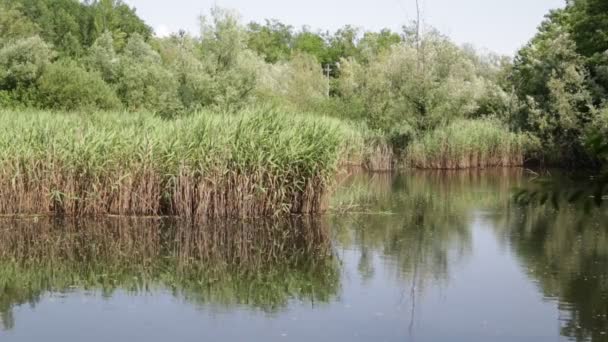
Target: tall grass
257, 163
467, 144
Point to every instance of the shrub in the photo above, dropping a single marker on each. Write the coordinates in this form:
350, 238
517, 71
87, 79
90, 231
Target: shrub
65, 85
23, 61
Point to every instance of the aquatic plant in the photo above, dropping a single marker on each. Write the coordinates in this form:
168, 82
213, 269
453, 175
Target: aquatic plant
259, 162
465, 144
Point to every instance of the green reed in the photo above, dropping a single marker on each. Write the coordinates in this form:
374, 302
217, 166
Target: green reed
259, 162
465, 144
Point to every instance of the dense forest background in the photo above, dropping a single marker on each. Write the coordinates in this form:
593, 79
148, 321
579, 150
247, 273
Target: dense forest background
409, 87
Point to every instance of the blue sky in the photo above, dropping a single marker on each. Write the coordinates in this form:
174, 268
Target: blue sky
497, 25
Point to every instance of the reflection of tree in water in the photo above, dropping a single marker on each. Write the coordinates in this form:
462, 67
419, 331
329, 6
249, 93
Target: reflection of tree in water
259, 264
420, 222
566, 251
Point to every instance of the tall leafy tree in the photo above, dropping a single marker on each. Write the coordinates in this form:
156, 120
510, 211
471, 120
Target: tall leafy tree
554, 82
14, 24
272, 40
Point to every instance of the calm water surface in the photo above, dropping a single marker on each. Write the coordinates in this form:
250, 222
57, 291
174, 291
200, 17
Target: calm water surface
411, 257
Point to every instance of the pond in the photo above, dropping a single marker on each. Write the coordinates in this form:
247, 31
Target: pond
416, 256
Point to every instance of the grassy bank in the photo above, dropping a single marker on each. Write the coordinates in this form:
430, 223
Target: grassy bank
256, 163
467, 144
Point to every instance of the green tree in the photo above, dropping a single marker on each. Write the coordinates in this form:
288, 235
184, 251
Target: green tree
298, 83
181, 54
144, 83
71, 26
62, 23
312, 44
374, 43
118, 18
22, 62
13, 24
587, 22
103, 58
420, 87
65, 85
272, 40
550, 77
343, 44
231, 66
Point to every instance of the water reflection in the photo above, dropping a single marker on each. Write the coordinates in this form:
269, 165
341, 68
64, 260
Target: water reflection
566, 251
420, 221
423, 222
258, 264
425, 256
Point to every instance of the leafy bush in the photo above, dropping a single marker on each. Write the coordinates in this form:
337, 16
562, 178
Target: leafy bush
103, 58
23, 61
144, 83
65, 85
424, 84
298, 83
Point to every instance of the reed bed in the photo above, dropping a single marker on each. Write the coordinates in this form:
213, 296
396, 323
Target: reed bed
466, 144
257, 163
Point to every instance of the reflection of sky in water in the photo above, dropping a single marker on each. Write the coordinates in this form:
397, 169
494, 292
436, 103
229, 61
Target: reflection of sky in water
486, 295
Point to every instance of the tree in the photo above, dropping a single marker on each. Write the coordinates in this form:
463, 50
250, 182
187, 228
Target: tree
144, 83
231, 66
312, 44
63, 23
14, 25
551, 78
181, 54
374, 43
393, 87
65, 85
587, 22
118, 18
72, 26
298, 83
23, 62
272, 40
103, 58
342, 44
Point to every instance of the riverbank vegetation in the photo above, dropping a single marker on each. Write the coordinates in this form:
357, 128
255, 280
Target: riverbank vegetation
199, 167
411, 98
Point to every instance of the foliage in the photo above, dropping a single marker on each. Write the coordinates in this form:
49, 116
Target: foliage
260, 162
23, 62
14, 25
469, 144
298, 83
72, 26
144, 83
271, 40
102, 57
67, 86
374, 43
230, 65
423, 87
401, 86
558, 78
